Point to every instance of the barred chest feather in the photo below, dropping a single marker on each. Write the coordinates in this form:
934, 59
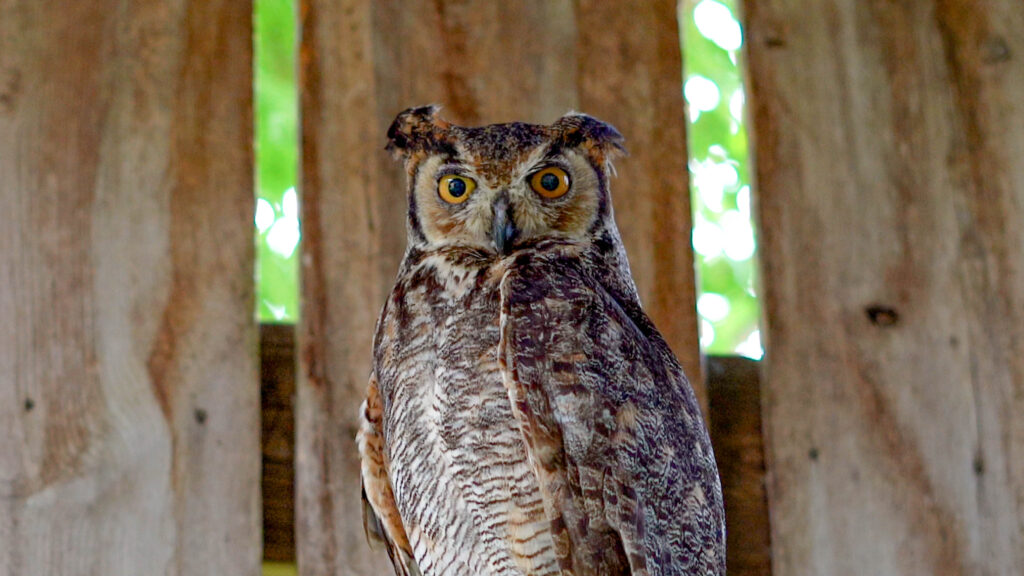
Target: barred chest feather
465, 489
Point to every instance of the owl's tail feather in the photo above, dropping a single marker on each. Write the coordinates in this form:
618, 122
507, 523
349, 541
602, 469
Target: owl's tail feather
371, 523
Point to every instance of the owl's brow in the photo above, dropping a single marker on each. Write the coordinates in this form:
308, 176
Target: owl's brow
554, 154
450, 167
554, 158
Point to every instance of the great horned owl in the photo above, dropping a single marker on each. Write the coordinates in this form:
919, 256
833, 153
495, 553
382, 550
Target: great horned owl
524, 416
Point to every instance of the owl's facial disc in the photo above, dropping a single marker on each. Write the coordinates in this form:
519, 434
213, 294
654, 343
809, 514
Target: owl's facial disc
469, 199
502, 187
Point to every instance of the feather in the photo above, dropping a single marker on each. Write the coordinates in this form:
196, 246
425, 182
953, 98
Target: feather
611, 424
381, 520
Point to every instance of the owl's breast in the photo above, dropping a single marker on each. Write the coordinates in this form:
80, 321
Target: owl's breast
462, 481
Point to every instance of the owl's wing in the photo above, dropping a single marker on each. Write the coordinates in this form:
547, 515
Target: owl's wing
611, 424
381, 520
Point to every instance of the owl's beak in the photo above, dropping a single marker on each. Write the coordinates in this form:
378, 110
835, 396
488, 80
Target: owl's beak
503, 228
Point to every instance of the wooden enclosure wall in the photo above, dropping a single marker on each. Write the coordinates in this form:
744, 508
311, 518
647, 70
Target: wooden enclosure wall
890, 138
129, 431
361, 63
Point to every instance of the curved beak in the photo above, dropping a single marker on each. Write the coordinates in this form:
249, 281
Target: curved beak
503, 228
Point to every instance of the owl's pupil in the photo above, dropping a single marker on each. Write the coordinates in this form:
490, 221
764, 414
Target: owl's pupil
456, 187
549, 182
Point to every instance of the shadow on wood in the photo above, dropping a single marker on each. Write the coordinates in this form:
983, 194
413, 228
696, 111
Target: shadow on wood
277, 371
734, 397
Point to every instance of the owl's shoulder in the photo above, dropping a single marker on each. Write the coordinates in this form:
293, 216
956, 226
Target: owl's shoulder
584, 359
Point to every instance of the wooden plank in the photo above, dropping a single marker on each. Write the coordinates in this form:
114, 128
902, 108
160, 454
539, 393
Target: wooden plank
277, 399
734, 398
889, 138
630, 73
363, 62
129, 433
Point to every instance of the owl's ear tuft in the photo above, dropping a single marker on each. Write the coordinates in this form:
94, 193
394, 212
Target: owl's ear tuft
418, 129
600, 139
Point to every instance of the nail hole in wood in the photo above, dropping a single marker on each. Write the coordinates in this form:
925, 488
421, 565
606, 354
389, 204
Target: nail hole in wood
882, 316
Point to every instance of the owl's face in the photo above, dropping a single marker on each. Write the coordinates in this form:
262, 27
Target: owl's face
500, 187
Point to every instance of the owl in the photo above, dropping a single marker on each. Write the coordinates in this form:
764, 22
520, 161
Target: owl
523, 415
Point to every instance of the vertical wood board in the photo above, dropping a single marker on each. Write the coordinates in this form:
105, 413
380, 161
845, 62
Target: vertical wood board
129, 423
891, 205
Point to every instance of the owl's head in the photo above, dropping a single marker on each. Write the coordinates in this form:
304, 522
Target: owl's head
501, 187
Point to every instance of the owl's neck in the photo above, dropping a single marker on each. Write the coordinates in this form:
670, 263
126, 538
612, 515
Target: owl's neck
611, 264
603, 254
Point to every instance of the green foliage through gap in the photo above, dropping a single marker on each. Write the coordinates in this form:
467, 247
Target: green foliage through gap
723, 236
277, 151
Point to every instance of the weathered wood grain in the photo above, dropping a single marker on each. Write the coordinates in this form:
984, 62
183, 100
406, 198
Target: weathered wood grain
889, 139
129, 432
361, 63
734, 399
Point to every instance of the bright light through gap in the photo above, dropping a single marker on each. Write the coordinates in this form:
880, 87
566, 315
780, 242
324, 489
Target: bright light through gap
724, 240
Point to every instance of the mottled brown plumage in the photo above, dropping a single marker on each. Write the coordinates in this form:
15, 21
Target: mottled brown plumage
524, 415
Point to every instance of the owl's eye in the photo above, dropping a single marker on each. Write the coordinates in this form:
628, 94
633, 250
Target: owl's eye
454, 189
550, 182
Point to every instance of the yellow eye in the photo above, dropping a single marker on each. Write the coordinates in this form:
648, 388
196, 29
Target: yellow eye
550, 182
454, 189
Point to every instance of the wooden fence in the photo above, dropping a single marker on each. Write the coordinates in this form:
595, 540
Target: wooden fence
891, 215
